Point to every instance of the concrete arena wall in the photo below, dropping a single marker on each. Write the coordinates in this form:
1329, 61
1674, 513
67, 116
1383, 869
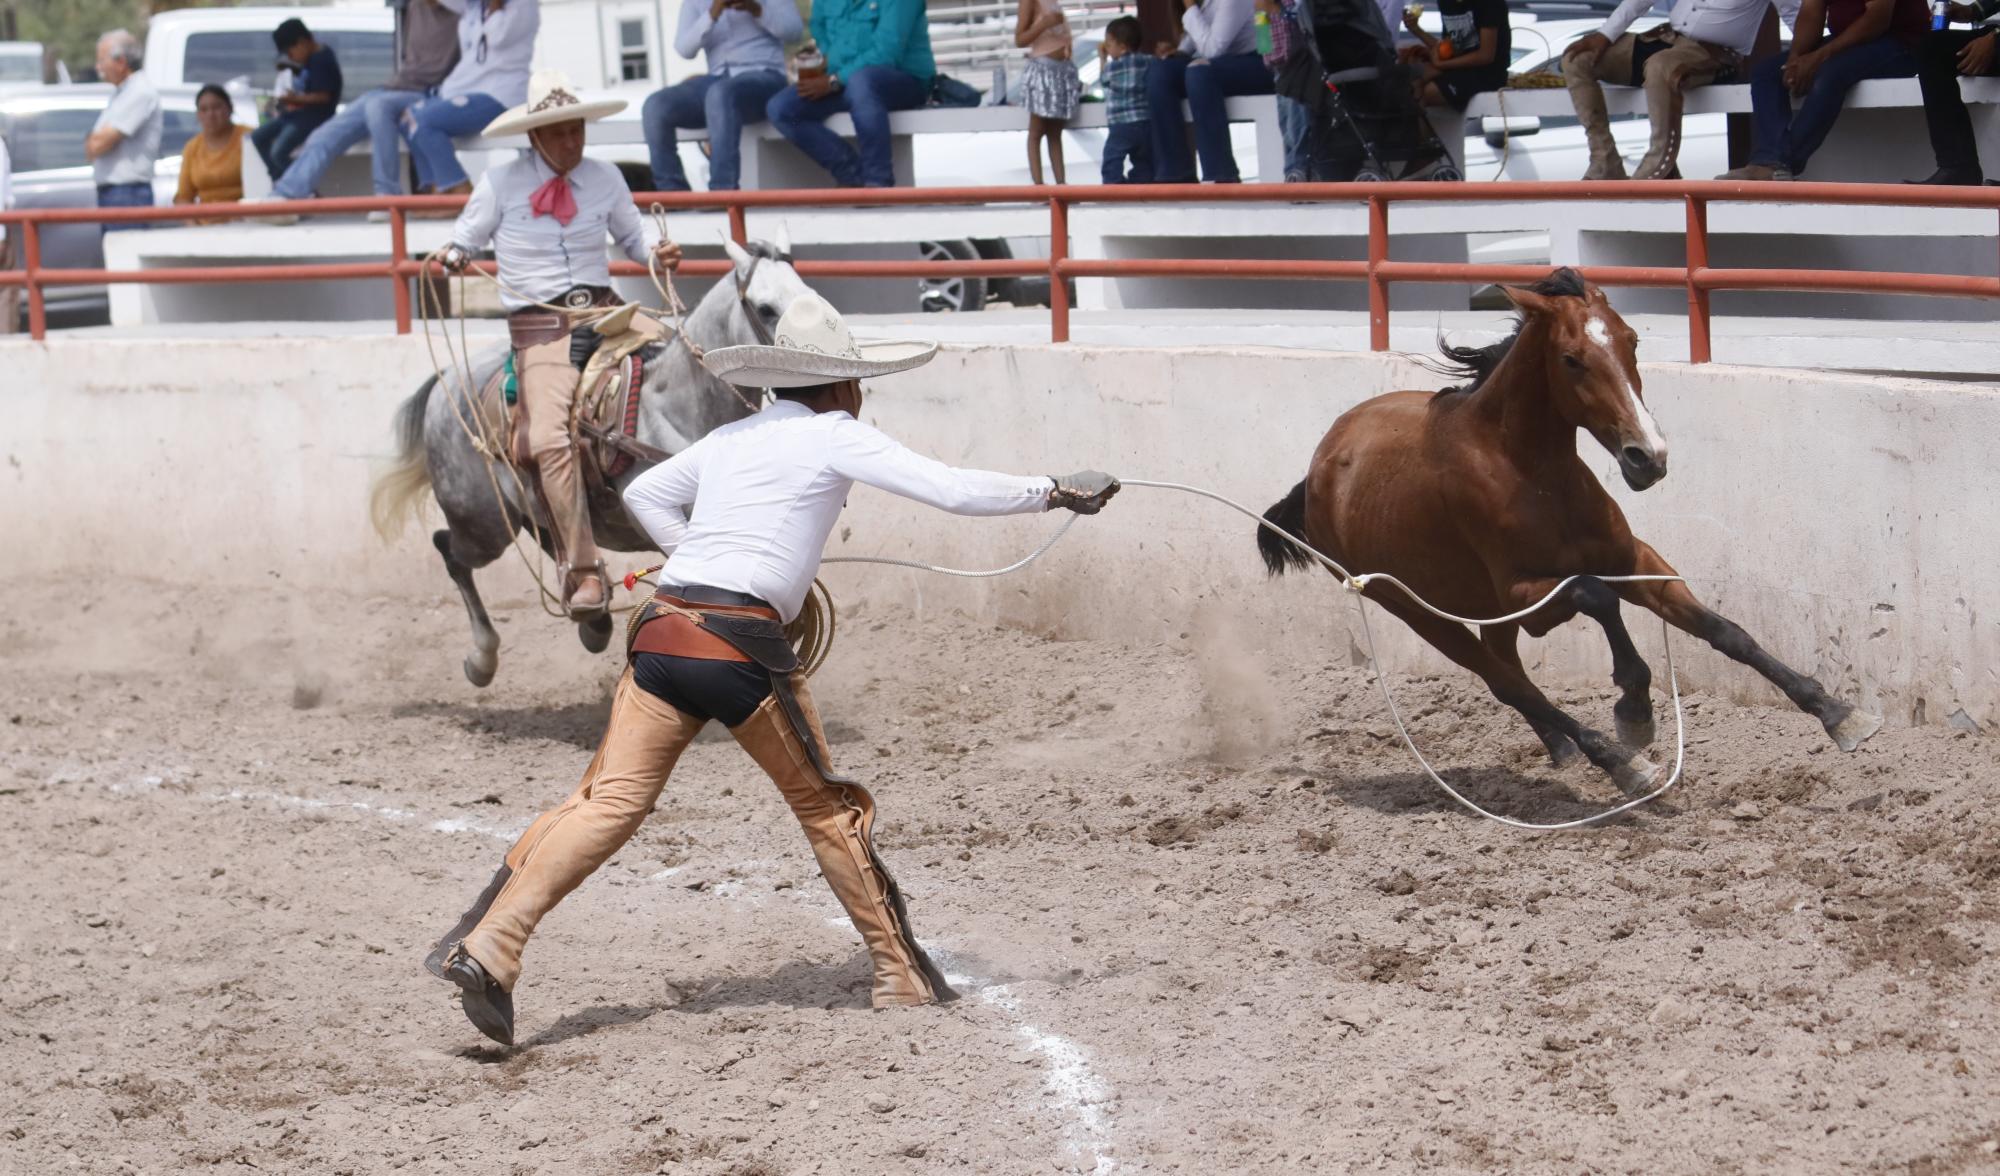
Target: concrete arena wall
1844, 520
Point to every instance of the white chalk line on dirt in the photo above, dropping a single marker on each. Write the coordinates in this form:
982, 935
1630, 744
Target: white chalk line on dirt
1069, 1077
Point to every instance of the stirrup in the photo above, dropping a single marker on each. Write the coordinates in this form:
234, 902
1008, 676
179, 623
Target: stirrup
568, 577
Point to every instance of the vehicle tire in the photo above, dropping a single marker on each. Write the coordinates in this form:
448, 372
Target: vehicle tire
954, 293
1445, 171
1368, 175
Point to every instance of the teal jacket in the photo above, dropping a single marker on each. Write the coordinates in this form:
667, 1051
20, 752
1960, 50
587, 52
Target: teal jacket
857, 33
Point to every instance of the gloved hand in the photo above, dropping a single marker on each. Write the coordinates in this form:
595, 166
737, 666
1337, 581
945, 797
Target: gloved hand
1084, 492
454, 260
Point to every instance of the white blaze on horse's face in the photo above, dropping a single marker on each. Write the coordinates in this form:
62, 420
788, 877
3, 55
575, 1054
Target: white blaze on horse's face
1641, 458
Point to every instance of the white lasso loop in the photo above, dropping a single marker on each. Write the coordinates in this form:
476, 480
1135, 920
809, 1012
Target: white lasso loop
1358, 584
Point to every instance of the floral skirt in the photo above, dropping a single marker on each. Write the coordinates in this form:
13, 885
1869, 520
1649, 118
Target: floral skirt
1050, 88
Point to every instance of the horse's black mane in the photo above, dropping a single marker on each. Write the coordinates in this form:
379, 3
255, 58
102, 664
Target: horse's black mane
1475, 364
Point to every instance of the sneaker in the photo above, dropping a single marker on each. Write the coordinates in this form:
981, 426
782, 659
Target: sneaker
275, 218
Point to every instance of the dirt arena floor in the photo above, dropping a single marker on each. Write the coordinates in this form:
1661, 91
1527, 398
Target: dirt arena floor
1208, 917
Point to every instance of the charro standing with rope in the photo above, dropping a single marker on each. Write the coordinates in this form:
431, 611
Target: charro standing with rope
546, 215
764, 494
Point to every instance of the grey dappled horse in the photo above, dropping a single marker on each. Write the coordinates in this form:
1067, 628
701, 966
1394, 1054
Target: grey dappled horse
679, 401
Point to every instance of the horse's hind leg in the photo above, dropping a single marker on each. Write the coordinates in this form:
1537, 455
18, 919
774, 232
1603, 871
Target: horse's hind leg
1502, 642
485, 656
1848, 724
1631, 771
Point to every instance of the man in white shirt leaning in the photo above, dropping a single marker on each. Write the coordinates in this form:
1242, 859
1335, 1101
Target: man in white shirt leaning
546, 215
743, 515
1703, 42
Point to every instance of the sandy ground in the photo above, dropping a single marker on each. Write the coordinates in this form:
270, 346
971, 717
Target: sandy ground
1210, 920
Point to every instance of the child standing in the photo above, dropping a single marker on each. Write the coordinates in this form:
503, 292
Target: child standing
1050, 86
1125, 112
309, 101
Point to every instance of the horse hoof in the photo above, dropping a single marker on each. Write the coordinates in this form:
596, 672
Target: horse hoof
595, 633
1563, 752
1853, 728
479, 674
1635, 734
1636, 775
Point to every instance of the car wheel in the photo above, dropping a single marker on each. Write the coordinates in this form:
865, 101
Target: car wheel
1445, 171
951, 293
1368, 175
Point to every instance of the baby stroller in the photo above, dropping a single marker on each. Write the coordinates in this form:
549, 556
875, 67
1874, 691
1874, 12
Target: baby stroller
1364, 102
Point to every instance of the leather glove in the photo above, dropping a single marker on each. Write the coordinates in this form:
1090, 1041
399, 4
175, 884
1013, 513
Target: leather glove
1084, 492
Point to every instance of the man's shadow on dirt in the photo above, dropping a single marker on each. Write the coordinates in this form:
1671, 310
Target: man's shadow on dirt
797, 984
579, 724
1539, 798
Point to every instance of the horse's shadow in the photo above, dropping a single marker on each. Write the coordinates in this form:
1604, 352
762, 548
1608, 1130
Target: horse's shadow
585, 1022
1543, 799
579, 724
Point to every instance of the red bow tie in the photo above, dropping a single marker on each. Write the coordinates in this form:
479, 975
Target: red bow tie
555, 199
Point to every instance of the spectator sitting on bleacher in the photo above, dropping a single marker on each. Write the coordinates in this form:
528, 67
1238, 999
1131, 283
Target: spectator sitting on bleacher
304, 108
878, 59
1946, 55
496, 46
1470, 59
430, 49
744, 44
1871, 39
1704, 42
1217, 59
1128, 133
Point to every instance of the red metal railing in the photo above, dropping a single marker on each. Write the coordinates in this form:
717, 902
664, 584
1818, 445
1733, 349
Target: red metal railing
1378, 270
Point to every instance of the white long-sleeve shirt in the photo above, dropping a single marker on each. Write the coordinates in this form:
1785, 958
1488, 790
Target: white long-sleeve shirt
738, 42
1729, 23
767, 490
495, 50
1218, 28
540, 256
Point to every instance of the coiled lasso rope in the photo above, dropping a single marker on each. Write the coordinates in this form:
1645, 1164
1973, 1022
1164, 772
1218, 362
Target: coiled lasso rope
1357, 585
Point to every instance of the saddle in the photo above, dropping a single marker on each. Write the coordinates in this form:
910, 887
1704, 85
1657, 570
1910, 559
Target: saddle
604, 416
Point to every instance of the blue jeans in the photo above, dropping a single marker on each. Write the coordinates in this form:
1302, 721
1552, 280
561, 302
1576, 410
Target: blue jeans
1295, 124
1784, 138
1133, 140
721, 104
373, 117
432, 124
279, 139
869, 94
1204, 84
125, 196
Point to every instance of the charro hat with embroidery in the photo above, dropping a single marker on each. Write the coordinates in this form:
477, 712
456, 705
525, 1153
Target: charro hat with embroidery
813, 346
551, 100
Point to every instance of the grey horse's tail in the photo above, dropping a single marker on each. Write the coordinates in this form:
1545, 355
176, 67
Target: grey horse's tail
398, 489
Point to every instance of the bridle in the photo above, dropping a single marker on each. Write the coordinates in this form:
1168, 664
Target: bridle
743, 280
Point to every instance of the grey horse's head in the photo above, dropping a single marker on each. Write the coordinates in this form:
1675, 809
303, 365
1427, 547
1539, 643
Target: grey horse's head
762, 283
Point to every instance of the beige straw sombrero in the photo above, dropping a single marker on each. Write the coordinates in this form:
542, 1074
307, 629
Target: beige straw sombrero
550, 101
813, 346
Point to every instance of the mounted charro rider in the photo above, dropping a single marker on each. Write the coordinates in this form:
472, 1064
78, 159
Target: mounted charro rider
743, 515
546, 215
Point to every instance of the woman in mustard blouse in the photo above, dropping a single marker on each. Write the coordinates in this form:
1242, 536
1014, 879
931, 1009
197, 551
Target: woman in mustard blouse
212, 162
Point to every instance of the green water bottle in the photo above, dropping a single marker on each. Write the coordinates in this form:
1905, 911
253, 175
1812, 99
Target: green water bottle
1263, 22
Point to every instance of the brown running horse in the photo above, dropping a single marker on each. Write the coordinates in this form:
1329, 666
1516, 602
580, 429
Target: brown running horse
1476, 498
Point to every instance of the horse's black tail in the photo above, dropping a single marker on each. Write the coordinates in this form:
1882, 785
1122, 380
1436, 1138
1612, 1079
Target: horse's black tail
400, 486
1288, 514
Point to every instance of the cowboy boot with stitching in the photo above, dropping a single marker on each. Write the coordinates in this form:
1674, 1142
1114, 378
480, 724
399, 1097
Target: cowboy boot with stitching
1586, 94
1663, 108
838, 818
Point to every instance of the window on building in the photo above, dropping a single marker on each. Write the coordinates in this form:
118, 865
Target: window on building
632, 62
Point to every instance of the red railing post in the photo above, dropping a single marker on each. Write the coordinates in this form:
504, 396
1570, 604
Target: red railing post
1697, 263
31, 273
1378, 290
399, 252
1058, 286
739, 229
